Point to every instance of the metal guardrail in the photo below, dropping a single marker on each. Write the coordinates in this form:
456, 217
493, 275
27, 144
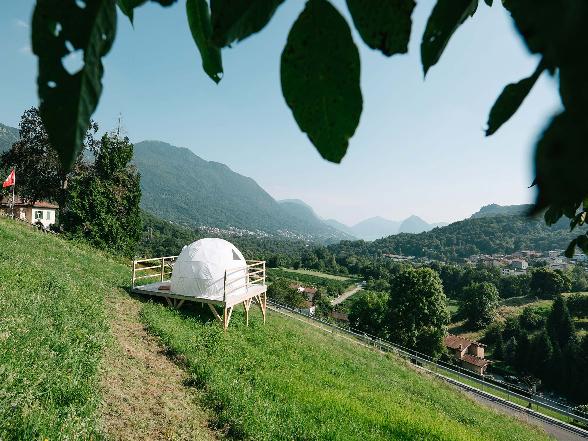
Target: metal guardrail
426, 362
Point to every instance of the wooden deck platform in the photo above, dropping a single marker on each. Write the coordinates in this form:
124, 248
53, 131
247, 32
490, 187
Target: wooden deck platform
251, 288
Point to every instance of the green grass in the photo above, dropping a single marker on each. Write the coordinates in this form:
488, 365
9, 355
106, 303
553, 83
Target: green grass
317, 274
53, 329
286, 380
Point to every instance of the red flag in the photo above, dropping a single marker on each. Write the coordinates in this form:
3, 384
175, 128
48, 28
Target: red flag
9, 180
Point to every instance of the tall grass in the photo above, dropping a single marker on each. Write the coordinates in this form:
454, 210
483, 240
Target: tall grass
286, 380
52, 331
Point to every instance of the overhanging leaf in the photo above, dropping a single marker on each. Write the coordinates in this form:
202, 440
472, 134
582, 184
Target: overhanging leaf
383, 24
510, 100
488, 2
68, 100
235, 20
446, 17
127, 7
320, 78
199, 21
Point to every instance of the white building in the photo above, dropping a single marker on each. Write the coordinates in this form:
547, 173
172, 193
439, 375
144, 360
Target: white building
38, 212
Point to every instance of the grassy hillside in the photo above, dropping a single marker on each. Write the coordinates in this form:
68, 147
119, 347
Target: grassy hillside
283, 380
286, 380
53, 330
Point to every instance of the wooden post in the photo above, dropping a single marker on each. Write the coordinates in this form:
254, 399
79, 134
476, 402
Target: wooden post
162, 269
264, 272
134, 274
225, 288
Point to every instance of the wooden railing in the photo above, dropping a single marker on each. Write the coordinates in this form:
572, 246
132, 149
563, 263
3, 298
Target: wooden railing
160, 269
157, 268
238, 278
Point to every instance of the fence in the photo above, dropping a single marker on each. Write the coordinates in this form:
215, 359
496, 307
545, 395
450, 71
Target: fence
550, 411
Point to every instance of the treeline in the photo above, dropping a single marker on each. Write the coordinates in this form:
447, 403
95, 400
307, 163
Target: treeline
332, 287
98, 196
488, 235
545, 345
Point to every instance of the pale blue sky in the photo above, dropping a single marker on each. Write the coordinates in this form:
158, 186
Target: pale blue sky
419, 149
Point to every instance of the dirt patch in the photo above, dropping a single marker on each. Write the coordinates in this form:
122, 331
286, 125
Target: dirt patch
143, 392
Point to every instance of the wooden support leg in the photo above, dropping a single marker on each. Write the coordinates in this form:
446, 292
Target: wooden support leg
264, 308
213, 309
246, 306
225, 319
169, 302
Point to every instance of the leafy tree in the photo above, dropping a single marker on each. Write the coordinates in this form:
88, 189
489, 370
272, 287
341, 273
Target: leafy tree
579, 278
281, 292
479, 303
559, 323
103, 199
510, 351
514, 286
546, 283
541, 353
499, 349
417, 310
368, 313
531, 320
40, 175
578, 305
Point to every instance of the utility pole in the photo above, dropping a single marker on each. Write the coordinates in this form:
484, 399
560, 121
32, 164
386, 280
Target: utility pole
13, 185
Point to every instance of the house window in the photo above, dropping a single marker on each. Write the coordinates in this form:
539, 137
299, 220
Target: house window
38, 215
48, 215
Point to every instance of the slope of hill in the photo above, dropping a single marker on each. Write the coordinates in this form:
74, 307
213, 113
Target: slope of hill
375, 228
287, 380
300, 210
487, 235
179, 186
8, 136
502, 210
339, 226
413, 224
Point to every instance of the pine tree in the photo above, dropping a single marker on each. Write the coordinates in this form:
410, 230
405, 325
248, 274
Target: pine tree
559, 323
541, 354
499, 348
510, 351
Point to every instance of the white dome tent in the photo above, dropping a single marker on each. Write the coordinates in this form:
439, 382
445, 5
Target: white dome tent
211, 271
200, 269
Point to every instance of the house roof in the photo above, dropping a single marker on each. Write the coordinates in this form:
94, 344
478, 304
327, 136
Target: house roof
476, 361
303, 289
18, 202
457, 342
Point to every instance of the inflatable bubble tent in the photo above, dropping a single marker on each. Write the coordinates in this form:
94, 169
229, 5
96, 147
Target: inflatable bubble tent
211, 271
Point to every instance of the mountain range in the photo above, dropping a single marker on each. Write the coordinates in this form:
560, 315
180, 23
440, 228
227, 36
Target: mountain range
378, 227
179, 186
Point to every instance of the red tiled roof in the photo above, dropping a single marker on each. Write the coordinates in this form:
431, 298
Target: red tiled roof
22, 203
476, 361
455, 341
304, 289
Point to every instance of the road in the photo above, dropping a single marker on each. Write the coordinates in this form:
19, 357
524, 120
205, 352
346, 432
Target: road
346, 295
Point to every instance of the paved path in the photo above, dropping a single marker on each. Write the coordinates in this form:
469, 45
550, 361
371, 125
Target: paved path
557, 432
346, 295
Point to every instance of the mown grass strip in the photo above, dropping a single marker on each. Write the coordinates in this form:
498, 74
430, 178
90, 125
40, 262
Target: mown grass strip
285, 380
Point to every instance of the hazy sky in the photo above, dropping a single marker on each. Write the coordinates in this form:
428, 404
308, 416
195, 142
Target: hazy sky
419, 148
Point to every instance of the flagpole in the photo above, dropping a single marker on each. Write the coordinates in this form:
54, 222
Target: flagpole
13, 185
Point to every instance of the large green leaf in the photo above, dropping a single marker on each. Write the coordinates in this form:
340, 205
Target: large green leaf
510, 100
383, 24
127, 7
235, 20
199, 21
560, 163
446, 17
68, 100
320, 78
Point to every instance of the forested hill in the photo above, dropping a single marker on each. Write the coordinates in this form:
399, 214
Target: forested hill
181, 187
503, 210
487, 235
8, 136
